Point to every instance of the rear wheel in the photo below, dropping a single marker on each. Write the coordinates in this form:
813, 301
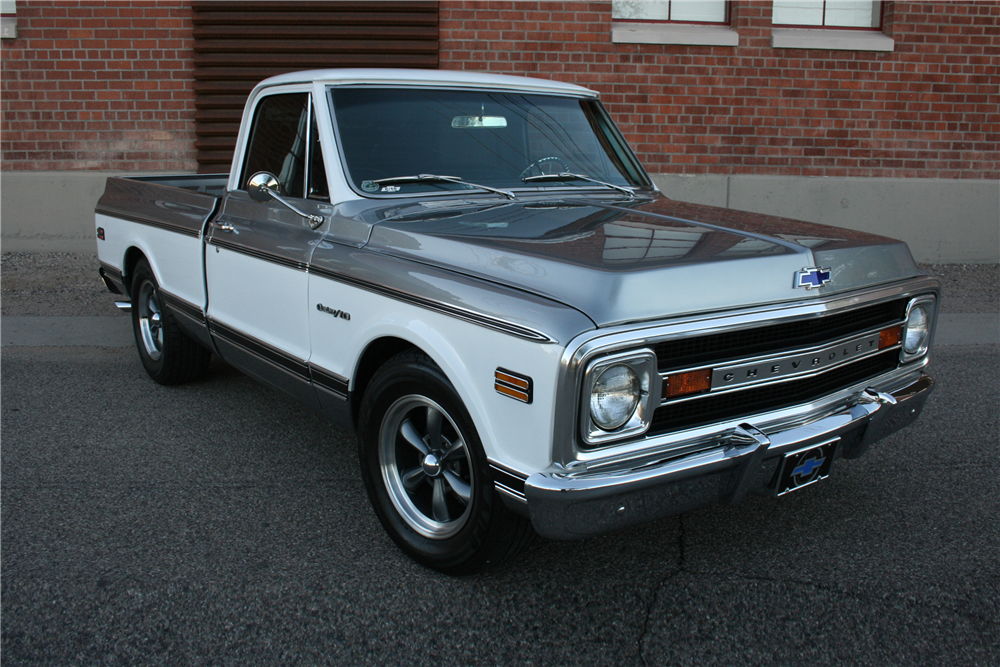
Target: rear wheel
167, 353
427, 475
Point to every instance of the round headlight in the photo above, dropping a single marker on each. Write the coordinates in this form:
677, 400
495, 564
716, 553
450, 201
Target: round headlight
614, 397
916, 331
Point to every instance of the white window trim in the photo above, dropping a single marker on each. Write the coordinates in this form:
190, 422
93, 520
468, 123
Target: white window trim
8, 19
623, 32
831, 39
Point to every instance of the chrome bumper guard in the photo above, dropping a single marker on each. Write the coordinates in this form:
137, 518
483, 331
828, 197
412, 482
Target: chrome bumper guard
577, 505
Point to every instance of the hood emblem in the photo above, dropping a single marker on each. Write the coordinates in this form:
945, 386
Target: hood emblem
810, 277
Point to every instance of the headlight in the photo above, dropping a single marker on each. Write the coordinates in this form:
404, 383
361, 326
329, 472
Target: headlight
917, 331
614, 397
620, 392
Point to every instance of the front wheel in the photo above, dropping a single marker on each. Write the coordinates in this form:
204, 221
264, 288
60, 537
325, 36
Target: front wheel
167, 353
427, 475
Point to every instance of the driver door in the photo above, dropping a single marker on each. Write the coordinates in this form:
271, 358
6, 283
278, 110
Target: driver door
257, 253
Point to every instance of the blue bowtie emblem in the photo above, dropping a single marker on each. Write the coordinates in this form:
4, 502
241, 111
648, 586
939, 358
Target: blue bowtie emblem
812, 277
807, 467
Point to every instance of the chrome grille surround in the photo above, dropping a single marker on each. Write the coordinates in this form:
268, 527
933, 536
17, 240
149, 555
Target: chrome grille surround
571, 452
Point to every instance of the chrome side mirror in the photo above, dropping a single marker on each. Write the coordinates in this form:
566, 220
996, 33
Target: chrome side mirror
263, 187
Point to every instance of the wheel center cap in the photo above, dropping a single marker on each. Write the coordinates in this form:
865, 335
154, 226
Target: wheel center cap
431, 465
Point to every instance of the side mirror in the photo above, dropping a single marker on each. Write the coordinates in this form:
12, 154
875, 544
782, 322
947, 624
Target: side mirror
262, 187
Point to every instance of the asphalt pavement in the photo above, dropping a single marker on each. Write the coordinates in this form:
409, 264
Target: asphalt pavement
217, 523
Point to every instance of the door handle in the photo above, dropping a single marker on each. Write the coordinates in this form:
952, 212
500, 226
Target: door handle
226, 227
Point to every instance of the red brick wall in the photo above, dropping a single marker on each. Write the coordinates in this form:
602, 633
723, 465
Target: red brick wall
98, 85
928, 109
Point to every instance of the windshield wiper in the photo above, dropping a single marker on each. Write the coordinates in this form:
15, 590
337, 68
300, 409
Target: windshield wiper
566, 176
449, 179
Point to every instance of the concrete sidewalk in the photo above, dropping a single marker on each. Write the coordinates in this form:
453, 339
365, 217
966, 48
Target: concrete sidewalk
116, 331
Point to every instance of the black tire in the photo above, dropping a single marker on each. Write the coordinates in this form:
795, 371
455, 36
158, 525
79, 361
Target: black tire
416, 473
167, 353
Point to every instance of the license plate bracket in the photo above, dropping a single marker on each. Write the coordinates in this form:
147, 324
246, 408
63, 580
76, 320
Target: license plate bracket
805, 466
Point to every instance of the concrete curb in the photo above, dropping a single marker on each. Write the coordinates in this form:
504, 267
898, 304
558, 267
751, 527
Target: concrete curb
116, 331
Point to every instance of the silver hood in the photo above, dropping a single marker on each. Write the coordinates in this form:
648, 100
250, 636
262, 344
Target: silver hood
623, 261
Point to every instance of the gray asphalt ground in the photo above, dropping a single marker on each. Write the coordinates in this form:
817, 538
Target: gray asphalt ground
218, 523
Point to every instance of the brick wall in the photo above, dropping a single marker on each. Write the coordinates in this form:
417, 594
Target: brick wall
100, 86
928, 109
109, 86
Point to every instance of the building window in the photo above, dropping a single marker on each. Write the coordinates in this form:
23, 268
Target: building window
8, 19
858, 14
693, 22
837, 25
671, 11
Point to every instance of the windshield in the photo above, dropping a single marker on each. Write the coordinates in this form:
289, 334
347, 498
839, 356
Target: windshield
497, 139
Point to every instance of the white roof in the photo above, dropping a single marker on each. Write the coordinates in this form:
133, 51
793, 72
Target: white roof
426, 77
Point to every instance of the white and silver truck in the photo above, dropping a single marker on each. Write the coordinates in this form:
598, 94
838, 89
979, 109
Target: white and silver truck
475, 273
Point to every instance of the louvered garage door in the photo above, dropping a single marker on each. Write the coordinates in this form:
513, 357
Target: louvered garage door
236, 44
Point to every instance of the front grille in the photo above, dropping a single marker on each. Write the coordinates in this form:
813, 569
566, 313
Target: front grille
712, 408
716, 349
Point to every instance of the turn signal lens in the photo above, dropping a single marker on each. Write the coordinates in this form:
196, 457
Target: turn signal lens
889, 337
691, 382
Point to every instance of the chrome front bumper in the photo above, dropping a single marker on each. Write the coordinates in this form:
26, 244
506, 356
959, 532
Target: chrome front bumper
576, 505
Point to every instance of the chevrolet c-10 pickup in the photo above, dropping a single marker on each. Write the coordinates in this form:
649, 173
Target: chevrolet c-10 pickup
476, 274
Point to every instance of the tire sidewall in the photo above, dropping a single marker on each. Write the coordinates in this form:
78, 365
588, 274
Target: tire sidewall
144, 273
407, 375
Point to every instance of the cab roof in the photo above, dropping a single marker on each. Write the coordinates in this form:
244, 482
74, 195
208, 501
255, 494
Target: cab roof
426, 77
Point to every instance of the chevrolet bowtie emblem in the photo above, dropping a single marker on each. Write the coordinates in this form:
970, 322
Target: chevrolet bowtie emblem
812, 277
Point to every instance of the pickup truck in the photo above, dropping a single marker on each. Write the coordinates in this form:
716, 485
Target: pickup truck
476, 274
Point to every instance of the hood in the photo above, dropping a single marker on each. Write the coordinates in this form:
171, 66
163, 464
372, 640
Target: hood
623, 261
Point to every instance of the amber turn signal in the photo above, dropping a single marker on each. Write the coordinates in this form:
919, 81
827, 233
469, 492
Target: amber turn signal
890, 337
692, 382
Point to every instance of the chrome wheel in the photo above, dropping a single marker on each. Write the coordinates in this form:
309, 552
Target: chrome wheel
426, 467
150, 320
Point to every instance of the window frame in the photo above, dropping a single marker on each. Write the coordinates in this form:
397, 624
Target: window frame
824, 26
727, 21
687, 33
307, 158
602, 116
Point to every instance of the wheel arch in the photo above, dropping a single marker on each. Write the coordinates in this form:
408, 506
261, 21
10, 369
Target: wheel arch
377, 353
133, 255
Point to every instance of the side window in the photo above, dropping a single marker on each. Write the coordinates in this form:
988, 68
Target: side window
278, 142
318, 188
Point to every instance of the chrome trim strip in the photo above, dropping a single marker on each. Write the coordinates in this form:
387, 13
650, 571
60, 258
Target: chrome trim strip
579, 352
437, 306
260, 349
792, 352
314, 375
747, 372
131, 217
508, 480
331, 382
258, 254
186, 307
781, 380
